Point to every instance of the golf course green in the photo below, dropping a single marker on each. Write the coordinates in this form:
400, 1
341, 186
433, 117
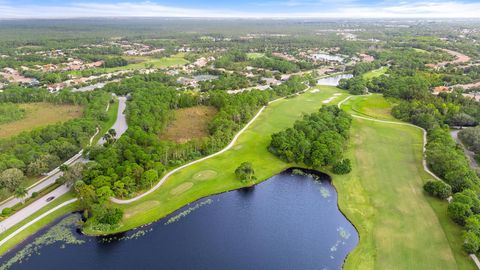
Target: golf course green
400, 227
216, 174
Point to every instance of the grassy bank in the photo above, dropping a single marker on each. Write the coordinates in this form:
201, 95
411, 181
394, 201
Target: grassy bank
400, 227
375, 73
112, 117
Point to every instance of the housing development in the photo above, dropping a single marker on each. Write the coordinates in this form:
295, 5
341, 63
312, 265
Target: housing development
152, 142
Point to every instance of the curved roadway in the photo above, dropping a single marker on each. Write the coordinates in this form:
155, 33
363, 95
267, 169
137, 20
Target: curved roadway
120, 126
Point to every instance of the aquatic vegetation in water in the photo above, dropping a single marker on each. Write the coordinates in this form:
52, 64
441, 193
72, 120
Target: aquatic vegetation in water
325, 192
61, 232
343, 233
132, 236
188, 211
297, 172
335, 247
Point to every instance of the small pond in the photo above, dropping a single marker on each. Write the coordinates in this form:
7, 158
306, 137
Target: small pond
333, 80
288, 222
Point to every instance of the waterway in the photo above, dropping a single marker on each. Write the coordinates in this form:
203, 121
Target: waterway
287, 222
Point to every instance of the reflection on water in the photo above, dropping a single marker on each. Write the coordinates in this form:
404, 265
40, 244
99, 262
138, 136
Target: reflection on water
333, 80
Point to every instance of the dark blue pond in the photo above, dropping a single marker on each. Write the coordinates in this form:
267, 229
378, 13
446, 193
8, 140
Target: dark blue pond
287, 222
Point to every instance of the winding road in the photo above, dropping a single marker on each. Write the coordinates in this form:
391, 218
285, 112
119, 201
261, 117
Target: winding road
469, 154
120, 127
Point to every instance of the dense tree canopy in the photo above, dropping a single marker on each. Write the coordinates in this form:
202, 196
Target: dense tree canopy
318, 140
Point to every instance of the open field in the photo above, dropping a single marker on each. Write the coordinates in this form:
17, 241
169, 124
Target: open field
400, 227
255, 55
375, 73
39, 115
143, 62
189, 123
420, 50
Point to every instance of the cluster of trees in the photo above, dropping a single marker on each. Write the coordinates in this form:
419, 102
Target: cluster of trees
448, 161
292, 86
274, 63
226, 82
135, 161
46, 77
355, 86
318, 140
237, 60
10, 112
39, 151
245, 172
230, 60
438, 189
464, 209
364, 67
141, 81
114, 62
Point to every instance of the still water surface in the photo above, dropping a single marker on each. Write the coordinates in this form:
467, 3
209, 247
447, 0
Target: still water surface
333, 80
288, 222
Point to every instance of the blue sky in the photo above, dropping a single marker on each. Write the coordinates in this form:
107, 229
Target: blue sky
239, 8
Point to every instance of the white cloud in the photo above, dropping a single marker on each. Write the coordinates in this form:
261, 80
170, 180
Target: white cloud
347, 9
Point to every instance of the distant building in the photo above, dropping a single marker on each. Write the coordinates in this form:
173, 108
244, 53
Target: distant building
441, 89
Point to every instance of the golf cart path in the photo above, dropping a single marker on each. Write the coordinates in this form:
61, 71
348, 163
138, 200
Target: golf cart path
424, 148
228, 147
424, 162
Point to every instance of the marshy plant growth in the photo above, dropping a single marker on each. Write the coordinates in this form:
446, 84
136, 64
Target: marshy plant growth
188, 211
59, 233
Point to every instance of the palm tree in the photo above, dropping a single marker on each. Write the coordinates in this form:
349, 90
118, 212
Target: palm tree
63, 168
112, 132
21, 193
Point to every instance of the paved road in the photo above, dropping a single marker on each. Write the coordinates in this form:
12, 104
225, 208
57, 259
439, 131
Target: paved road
42, 183
120, 126
470, 155
32, 208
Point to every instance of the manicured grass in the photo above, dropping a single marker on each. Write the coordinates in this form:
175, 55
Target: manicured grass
39, 115
176, 60
400, 227
40, 224
375, 73
140, 62
253, 56
216, 175
189, 123
421, 50
373, 106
